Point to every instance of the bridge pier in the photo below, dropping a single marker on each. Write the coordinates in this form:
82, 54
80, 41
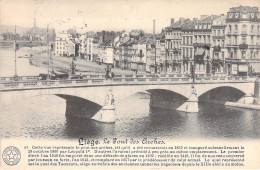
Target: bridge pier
247, 99
107, 112
191, 105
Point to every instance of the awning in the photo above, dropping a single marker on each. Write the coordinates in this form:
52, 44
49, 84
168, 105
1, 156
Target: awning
199, 52
255, 67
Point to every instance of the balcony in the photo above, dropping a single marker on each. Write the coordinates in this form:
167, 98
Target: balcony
217, 48
204, 45
243, 33
243, 46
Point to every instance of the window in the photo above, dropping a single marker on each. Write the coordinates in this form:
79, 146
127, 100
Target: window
252, 40
223, 32
191, 40
223, 43
235, 53
235, 40
216, 55
251, 54
223, 54
244, 29
229, 40
243, 40
230, 28
244, 15
235, 28
258, 29
218, 32
215, 33
231, 54
243, 54
252, 29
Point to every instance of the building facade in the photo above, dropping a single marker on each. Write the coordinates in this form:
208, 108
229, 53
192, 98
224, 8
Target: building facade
218, 47
243, 30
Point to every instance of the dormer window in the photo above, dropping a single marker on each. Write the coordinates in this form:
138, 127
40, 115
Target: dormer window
230, 15
244, 15
236, 15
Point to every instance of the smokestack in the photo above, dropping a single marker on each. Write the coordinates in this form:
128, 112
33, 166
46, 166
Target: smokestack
172, 21
34, 22
154, 28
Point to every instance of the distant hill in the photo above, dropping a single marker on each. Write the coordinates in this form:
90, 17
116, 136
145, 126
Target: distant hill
10, 28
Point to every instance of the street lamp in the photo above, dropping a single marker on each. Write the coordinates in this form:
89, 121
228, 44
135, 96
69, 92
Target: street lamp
73, 67
15, 48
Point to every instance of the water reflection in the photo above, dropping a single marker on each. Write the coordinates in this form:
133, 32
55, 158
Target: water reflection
37, 118
84, 127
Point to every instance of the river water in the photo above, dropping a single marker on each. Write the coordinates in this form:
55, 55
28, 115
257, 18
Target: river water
44, 117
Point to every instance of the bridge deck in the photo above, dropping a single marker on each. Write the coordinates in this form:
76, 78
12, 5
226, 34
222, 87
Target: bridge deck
32, 82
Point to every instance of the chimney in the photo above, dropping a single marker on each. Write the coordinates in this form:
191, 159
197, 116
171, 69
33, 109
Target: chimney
154, 28
222, 14
172, 21
203, 16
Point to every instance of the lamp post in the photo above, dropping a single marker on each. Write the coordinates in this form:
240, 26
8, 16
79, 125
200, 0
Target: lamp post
15, 48
73, 67
48, 52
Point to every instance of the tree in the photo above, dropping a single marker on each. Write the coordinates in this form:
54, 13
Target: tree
72, 32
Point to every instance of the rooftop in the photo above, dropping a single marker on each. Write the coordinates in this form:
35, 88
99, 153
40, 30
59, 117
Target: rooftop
243, 8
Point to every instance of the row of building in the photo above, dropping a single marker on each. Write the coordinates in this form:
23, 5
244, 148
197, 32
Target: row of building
216, 44
224, 44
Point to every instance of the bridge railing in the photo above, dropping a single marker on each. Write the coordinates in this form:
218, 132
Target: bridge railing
95, 81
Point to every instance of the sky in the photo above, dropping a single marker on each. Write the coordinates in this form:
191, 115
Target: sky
110, 14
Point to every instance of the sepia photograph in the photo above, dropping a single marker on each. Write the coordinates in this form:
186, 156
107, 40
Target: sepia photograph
180, 77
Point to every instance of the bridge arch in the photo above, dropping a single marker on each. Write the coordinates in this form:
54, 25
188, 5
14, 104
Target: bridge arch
222, 93
122, 92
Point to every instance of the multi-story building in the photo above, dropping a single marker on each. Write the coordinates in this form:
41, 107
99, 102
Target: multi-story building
86, 47
173, 40
160, 53
218, 47
202, 43
65, 45
61, 43
242, 40
187, 29
106, 53
89, 48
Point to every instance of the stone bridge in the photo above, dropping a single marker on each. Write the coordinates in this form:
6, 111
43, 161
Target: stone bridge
96, 97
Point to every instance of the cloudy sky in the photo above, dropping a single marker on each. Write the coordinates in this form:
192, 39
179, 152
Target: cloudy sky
109, 14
